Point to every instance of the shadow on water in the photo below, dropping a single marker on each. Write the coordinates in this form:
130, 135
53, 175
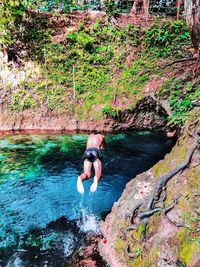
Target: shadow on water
43, 219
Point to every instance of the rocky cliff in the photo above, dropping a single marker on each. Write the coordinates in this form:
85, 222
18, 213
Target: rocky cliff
171, 238
147, 114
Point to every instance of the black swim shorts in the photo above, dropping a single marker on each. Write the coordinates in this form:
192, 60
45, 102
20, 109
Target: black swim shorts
92, 154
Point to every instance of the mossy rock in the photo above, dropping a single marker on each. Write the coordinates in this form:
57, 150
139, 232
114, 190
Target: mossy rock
187, 251
120, 245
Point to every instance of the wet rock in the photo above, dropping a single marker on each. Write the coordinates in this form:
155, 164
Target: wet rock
88, 254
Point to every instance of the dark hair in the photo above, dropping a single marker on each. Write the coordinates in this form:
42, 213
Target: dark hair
96, 132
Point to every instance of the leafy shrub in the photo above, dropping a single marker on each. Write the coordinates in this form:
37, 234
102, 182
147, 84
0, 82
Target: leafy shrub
22, 100
166, 33
180, 95
110, 8
167, 38
11, 13
111, 111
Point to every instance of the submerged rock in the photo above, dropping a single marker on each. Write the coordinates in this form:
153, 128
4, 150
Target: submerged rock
15, 260
46, 247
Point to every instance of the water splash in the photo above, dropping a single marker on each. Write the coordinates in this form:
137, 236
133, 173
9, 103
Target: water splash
88, 222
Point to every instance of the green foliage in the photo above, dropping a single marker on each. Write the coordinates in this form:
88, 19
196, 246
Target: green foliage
22, 100
187, 245
11, 12
37, 35
139, 252
191, 221
57, 99
110, 8
180, 93
111, 111
90, 49
80, 66
64, 5
33, 241
167, 35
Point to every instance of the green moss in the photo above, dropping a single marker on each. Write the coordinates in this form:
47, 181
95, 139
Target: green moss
171, 160
120, 245
182, 235
188, 244
159, 169
192, 180
150, 259
115, 222
123, 224
135, 235
142, 229
186, 252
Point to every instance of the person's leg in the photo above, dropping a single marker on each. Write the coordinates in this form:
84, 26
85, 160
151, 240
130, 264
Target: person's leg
98, 172
87, 165
85, 175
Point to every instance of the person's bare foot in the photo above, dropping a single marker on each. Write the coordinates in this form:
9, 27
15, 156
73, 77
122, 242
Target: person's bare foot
80, 187
93, 187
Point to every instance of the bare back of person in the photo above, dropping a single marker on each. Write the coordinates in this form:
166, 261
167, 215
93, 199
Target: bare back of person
95, 140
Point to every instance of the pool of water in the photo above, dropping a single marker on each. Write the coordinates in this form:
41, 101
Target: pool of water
40, 207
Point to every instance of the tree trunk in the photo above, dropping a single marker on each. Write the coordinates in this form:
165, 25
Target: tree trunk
192, 12
140, 6
59, 8
146, 8
103, 5
137, 7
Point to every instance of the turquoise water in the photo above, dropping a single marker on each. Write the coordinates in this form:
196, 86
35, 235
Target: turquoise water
38, 186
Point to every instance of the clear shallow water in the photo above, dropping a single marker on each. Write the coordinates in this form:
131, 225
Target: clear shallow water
38, 184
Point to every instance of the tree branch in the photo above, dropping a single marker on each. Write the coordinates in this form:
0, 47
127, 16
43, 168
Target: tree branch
188, 127
165, 178
163, 181
149, 213
134, 211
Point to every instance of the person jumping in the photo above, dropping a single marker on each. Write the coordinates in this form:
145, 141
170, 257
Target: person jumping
92, 156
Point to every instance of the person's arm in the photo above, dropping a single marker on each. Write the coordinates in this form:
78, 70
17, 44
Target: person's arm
103, 144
